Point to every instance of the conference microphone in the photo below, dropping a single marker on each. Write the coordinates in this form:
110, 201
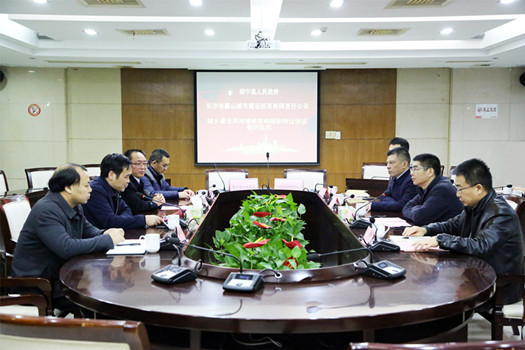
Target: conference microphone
173, 239
220, 177
383, 269
382, 245
143, 196
244, 282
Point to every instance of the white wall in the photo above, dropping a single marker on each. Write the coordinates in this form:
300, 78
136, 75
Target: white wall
80, 119
447, 127
499, 142
422, 110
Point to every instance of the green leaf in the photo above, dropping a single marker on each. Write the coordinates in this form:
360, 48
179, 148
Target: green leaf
302, 209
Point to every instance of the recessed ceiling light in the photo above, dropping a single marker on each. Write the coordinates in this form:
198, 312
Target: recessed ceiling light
506, 2
40, 1
30, 71
209, 32
196, 2
90, 31
336, 3
447, 31
316, 32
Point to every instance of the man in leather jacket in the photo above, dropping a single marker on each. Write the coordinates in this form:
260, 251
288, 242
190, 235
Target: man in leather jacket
488, 227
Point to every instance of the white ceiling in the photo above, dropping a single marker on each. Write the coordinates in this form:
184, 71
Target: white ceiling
486, 33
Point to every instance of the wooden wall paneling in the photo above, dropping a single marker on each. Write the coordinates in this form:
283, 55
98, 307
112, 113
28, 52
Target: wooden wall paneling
157, 86
158, 108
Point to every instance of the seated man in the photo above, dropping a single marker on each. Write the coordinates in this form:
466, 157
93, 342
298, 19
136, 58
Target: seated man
155, 182
56, 230
436, 200
105, 208
488, 227
401, 189
134, 193
399, 142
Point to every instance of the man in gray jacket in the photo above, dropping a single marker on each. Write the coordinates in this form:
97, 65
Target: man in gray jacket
56, 231
487, 228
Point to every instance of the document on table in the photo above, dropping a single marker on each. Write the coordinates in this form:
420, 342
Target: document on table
406, 244
128, 247
392, 222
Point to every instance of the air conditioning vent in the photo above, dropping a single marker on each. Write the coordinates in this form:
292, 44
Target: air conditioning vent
417, 3
43, 37
111, 3
144, 32
381, 32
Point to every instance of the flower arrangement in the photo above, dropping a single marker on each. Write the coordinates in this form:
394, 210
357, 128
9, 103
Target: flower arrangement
265, 234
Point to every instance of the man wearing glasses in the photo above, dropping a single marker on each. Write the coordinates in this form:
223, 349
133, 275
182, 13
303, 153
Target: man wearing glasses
488, 227
436, 199
138, 199
155, 182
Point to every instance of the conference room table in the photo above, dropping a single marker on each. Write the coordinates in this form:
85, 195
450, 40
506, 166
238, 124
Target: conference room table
432, 302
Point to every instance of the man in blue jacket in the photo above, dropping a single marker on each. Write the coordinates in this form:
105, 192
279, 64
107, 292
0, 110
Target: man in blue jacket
401, 189
106, 208
436, 200
155, 182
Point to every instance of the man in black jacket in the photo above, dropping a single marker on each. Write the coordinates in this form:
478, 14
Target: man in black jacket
134, 195
488, 227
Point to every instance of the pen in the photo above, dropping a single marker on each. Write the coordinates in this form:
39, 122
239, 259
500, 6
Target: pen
125, 244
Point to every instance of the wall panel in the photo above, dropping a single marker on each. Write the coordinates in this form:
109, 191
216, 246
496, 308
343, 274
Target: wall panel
158, 107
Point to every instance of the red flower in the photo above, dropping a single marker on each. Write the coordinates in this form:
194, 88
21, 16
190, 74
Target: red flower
255, 244
261, 214
278, 219
281, 196
261, 225
288, 264
293, 244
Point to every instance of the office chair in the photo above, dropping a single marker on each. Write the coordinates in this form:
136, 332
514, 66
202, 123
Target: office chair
38, 177
4, 187
93, 170
313, 179
50, 333
13, 214
374, 171
218, 176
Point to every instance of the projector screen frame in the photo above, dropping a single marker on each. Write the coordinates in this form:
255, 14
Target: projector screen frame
317, 161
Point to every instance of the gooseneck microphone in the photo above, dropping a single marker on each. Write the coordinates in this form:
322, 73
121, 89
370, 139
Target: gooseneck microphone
317, 257
173, 239
383, 245
220, 177
268, 165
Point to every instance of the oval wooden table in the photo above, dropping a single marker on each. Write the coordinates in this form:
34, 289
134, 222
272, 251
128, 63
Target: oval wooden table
432, 302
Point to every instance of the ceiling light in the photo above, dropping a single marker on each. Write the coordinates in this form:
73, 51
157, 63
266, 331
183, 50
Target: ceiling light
209, 32
506, 2
196, 2
447, 31
90, 32
40, 1
316, 32
336, 3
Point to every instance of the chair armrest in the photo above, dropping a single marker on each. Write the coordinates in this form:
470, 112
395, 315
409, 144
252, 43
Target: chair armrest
37, 300
42, 284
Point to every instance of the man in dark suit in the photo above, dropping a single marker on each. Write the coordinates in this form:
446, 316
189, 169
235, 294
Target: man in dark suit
436, 199
401, 189
135, 196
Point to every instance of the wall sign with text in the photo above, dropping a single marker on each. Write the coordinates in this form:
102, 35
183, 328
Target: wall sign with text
486, 111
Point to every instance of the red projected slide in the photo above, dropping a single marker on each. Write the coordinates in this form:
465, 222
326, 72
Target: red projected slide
240, 116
